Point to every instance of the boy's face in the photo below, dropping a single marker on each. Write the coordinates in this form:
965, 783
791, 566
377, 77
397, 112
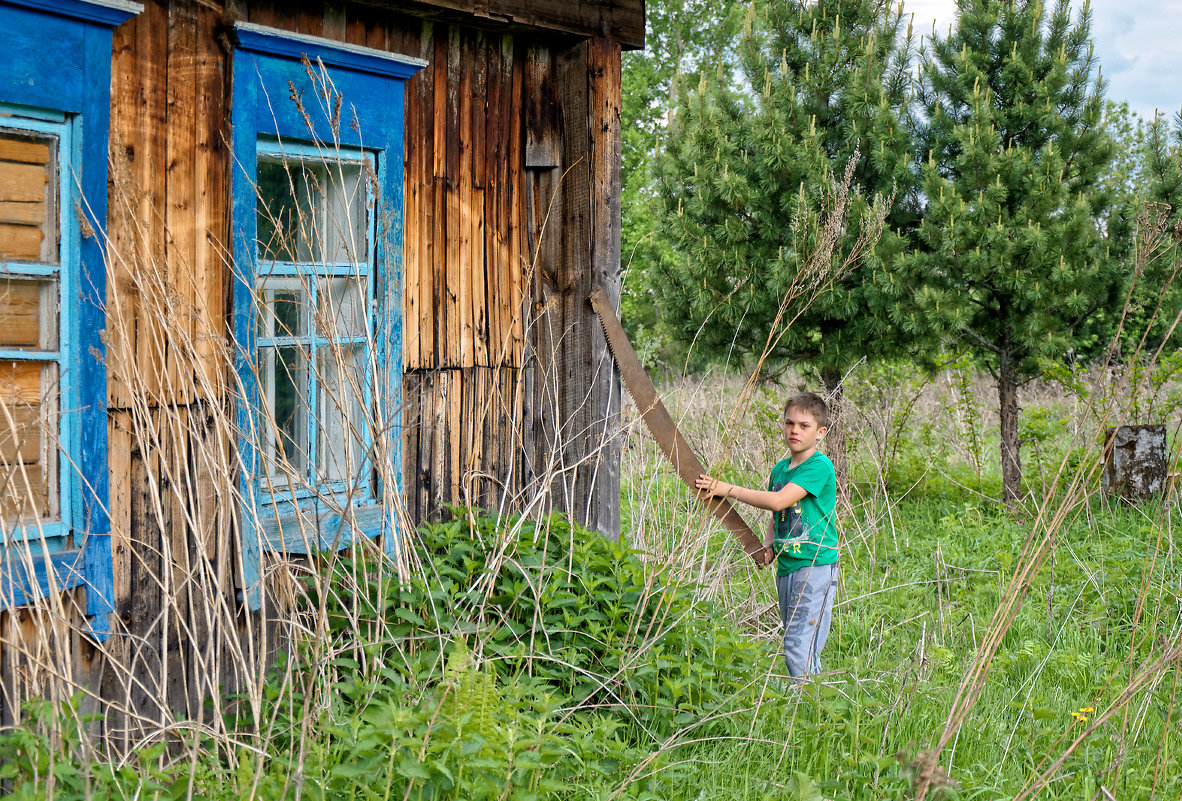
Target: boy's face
801, 431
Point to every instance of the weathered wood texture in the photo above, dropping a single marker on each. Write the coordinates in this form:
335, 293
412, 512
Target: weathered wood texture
169, 205
620, 21
512, 215
510, 218
177, 627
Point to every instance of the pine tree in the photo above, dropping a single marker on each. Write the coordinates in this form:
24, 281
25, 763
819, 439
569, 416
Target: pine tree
748, 160
1012, 260
1156, 295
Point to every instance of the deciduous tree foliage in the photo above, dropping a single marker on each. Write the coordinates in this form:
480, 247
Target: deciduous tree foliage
681, 35
749, 158
1012, 260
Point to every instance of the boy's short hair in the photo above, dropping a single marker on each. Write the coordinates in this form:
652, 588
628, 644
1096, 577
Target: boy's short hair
810, 403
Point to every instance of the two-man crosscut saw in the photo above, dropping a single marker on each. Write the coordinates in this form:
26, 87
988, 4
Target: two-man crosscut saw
661, 424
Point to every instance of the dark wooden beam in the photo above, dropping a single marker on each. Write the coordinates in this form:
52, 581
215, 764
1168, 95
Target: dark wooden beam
619, 21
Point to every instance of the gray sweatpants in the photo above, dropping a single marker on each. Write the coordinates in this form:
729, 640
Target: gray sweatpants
806, 608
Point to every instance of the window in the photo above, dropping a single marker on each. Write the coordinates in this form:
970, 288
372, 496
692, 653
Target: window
314, 292
54, 118
317, 200
33, 248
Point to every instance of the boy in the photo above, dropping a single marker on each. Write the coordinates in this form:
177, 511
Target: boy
802, 535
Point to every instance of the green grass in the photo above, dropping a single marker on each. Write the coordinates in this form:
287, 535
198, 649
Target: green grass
914, 606
533, 660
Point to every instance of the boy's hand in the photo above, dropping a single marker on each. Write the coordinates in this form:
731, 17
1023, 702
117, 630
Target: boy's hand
768, 556
708, 486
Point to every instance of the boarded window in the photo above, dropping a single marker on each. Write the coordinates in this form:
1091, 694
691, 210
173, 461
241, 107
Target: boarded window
28, 198
30, 323
28, 443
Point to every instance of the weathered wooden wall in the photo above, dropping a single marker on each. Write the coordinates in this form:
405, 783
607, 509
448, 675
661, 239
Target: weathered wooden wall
511, 217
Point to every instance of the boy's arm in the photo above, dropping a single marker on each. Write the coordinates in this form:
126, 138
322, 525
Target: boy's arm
773, 501
769, 540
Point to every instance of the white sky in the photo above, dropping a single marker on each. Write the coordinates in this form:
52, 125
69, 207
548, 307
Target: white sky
1137, 44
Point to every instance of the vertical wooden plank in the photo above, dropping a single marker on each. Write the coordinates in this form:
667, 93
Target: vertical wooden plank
440, 306
516, 194
480, 406
412, 235
479, 95
171, 493
9, 698
334, 25
145, 640
455, 439
124, 241
572, 270
112, 683
428, 489
211, 219
403, 33
308, 18
149, 175
264, 12
545, 228
378, 33
411, 428
181, 191
604, 127
459, 202
507, 194
424, 98
475, 128
412, 267
466, 490
119, 459
201, 498
500, 193
490, 124
541, 108
441, 436
357, 26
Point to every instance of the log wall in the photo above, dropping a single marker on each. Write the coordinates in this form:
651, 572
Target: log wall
511, 217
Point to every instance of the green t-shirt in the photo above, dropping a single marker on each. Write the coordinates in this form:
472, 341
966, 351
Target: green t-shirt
806, 534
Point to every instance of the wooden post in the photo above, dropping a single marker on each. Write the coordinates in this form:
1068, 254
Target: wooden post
588, 391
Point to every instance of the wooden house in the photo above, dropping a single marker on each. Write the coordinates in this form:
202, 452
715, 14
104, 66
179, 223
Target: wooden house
283, 277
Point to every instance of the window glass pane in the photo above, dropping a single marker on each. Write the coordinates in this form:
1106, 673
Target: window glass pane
288, 192
283, 308
311, 212
28, 198
342, 422
28, 313
284, 421
346, 237
344, 308
28, 442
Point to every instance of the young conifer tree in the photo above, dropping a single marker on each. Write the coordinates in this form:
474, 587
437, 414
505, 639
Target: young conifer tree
1156, 295
1012, 260
747, 163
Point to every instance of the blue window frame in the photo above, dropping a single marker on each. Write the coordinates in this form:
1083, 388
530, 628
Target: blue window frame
317, 223
54, 128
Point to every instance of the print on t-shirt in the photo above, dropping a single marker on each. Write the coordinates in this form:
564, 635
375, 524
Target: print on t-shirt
791, 528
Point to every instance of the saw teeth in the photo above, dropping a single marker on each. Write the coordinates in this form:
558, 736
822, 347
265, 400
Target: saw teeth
671, 443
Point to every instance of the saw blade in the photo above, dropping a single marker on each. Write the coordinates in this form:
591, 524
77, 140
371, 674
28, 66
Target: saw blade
659, 422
